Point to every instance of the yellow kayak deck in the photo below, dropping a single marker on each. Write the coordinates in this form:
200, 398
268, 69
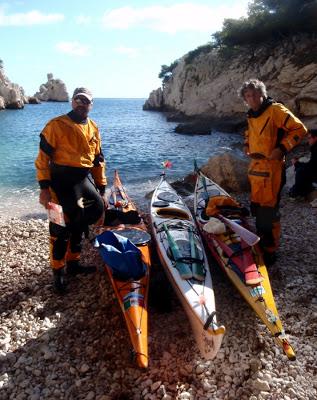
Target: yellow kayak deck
259, 297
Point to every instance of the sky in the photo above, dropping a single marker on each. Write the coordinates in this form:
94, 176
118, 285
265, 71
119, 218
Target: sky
116, 48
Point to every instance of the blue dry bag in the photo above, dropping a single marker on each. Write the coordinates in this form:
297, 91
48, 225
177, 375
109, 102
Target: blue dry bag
121, 255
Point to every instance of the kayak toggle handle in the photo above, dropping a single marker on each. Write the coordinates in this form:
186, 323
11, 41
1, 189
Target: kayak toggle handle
209, 320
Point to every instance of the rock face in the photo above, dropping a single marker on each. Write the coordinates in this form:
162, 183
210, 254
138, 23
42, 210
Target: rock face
155, 100
228, 170
52, 90
207, 86
11, 94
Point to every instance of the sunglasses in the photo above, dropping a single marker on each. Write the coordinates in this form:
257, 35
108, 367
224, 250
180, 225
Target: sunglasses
82, 101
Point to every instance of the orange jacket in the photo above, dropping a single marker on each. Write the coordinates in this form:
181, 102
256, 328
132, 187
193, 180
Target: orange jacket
66, 143
275, 127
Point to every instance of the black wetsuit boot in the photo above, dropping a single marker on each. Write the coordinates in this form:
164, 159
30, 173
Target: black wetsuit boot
59, 281
74, 268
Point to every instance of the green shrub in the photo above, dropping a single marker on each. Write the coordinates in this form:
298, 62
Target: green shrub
268, 20
204, 49
167, 71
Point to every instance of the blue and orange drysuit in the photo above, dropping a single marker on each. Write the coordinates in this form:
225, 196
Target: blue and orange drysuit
71, 164
272, 126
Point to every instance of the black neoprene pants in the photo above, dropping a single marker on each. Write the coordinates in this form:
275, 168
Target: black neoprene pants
82, 206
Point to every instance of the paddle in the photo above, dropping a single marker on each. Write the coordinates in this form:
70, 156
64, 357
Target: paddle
197, 267
249, 237
203, 180
114, 196
124, 202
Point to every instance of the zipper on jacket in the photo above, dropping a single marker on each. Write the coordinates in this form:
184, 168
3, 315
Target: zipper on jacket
264, 125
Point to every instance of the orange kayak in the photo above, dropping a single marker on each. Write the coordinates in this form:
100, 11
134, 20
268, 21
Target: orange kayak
132, 294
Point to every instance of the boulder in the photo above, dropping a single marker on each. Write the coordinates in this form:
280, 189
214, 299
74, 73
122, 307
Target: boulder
15, 105
52, 90
185, 186
33, 100
228, 170
194, 128
204, 126
2, 103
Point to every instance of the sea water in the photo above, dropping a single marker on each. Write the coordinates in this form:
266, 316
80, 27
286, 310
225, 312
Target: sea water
135, 142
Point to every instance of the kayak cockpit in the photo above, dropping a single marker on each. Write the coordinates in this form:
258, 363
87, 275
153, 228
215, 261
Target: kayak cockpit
172, 213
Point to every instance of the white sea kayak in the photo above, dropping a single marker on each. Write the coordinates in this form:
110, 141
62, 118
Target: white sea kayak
182, 255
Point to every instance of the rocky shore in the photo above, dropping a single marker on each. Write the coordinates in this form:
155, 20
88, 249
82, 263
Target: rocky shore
77, 346
12, 95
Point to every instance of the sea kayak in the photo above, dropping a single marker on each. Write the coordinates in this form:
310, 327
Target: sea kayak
236, 250
122, 219
182, 255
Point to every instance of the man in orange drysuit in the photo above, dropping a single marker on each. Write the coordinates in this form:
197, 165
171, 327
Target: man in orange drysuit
71, 172
272, 132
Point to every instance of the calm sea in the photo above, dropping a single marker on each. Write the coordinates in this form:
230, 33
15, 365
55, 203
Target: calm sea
135, 142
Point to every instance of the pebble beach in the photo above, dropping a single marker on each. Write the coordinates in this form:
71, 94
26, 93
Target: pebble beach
77, 347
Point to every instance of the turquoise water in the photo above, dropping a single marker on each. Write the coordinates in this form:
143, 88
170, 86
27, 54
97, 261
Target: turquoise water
134, 141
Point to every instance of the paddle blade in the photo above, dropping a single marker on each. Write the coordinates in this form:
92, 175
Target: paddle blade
249, 237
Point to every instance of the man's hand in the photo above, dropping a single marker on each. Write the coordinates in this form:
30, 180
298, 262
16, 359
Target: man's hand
277, 154
45, 197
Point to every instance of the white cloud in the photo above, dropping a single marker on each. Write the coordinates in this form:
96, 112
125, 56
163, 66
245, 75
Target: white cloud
175, 18
83, 19
73, 48
129, 51
29, 18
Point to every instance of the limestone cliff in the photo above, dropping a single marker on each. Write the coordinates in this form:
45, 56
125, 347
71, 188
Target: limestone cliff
11, 94
52, 90
207, 85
